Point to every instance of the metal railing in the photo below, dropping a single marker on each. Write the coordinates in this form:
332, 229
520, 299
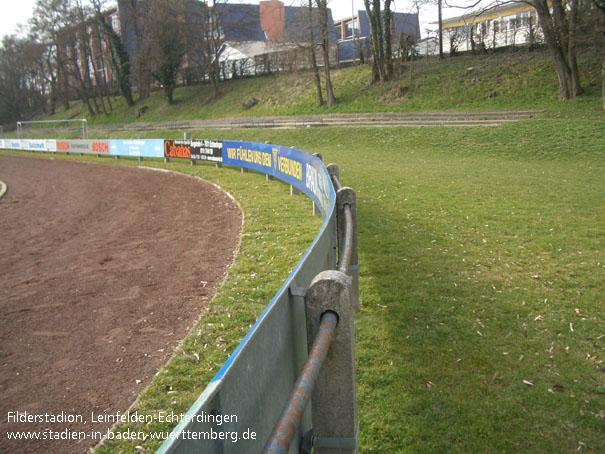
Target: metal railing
287, 425
332, 292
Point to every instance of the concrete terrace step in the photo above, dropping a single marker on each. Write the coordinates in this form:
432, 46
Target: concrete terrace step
476, 118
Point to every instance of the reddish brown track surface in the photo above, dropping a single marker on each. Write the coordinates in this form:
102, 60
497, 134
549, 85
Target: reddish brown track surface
103, 270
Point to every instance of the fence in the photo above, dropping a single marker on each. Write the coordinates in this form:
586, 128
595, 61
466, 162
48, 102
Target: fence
256, 402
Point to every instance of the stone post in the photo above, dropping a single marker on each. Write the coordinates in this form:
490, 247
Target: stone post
334, 403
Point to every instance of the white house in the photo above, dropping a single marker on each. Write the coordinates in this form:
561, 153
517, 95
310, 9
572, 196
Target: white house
509, 25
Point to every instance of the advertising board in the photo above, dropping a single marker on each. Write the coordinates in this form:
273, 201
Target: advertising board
12, 144
201, 150
300, 169
148, 148
51, 145
34, 145
82, 146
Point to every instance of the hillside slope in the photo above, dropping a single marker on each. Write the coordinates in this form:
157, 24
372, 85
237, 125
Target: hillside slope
522, 80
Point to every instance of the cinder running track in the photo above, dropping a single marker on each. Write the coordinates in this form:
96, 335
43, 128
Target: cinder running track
103, 270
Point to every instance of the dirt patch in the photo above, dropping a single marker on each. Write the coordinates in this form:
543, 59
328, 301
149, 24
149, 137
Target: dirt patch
104, 270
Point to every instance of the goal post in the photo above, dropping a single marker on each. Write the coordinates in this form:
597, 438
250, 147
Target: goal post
83, 129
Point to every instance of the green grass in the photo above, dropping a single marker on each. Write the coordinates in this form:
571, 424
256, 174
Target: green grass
479, 247
523, 80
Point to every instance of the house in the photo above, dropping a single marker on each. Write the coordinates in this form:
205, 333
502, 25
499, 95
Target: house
509, 25
84, 55
283, 46
354, 34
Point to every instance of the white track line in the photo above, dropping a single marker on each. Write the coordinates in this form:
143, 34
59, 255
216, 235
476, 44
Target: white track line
3, 188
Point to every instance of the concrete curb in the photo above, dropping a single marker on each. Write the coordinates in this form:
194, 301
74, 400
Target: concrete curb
3, 189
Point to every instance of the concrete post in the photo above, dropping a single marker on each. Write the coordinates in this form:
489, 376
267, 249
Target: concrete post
193, 162
347, 196
333, 169
244, 170
294, 191
334, 403
166, 159
140, 158
268, 177
219, 165
316, 210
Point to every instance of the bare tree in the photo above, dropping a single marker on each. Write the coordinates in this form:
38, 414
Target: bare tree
313, 56
167, 42
600, 5
49, 18
120, 60
380, 29
213, 37
558, 20
322, 6
22, 85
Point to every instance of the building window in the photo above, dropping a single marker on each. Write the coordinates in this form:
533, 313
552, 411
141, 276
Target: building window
351, 29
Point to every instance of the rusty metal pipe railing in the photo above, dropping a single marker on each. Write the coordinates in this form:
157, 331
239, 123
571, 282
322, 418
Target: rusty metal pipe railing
336, 182
291, 415
347, 248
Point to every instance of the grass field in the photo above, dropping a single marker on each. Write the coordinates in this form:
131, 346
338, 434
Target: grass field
482, 267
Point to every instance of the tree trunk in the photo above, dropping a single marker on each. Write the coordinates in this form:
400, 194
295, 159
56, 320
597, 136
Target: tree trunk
440, 32
316, 77
576, 88
323, 26
603, 81
313, 58
169, 92
378, 67
388, 49
559, 36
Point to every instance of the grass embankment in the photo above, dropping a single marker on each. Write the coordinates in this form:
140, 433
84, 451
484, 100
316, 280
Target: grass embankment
502, 81
482, 269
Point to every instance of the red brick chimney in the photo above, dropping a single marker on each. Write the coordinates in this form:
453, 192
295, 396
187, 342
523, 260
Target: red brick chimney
272, 19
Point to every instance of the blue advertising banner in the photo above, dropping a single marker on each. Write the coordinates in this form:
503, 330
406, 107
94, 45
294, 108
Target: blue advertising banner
300, 169
148, 148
